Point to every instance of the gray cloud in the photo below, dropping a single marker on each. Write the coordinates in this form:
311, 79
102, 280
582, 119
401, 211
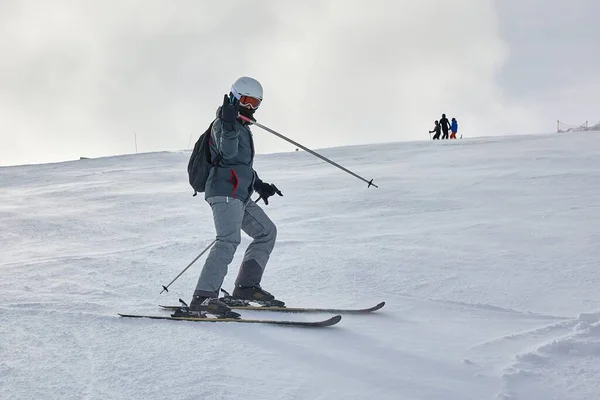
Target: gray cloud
79, 78
554, 61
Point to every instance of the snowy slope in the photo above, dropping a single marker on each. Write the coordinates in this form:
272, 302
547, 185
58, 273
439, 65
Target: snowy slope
486, 251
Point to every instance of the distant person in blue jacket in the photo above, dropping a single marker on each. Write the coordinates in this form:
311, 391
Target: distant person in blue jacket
453, 128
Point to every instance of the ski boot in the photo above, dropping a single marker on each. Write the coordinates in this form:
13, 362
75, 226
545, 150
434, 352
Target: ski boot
202, 305
244, 295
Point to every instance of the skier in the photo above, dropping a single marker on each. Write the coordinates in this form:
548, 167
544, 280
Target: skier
445, 124
436, 129
454, 128
228, 189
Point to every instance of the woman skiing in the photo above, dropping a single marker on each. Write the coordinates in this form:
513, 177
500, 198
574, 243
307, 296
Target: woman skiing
228, 189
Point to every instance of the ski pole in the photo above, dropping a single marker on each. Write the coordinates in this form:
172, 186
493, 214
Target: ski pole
165, 288
308, 150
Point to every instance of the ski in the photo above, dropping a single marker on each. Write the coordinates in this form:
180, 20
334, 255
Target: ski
297, 309
315, 324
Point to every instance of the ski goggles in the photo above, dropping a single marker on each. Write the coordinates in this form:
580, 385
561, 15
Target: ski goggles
247, 101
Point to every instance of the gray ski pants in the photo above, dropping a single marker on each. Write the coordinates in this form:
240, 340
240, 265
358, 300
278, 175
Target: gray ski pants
231, 216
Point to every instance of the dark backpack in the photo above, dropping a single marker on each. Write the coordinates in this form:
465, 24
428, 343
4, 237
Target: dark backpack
201, 162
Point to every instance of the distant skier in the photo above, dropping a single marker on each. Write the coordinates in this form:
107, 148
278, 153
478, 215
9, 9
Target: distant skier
437, 130
454, 128
445, 124
228, 189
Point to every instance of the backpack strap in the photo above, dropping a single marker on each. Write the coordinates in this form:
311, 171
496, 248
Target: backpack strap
219, 157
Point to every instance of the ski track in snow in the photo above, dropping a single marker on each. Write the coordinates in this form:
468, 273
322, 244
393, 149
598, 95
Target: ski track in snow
559, 364
485, 251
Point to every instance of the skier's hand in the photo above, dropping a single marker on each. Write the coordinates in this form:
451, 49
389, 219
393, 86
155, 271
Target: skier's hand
229, 109
266, 190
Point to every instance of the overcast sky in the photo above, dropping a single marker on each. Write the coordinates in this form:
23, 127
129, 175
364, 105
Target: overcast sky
81, 78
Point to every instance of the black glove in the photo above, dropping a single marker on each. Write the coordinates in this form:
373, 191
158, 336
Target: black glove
229, 109
265, 190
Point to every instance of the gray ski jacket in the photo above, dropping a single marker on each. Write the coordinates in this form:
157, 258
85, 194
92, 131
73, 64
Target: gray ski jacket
234, 176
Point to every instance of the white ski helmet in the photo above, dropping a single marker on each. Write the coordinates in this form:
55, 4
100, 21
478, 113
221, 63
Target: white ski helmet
246, 86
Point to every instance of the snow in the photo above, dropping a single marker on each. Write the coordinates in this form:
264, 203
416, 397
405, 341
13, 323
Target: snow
485, 251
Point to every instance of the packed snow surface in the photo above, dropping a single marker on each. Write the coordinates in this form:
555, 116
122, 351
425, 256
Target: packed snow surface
486, 252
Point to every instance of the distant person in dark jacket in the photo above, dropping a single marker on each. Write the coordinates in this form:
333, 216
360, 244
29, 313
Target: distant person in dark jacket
437, 130
454, 128
445, 124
